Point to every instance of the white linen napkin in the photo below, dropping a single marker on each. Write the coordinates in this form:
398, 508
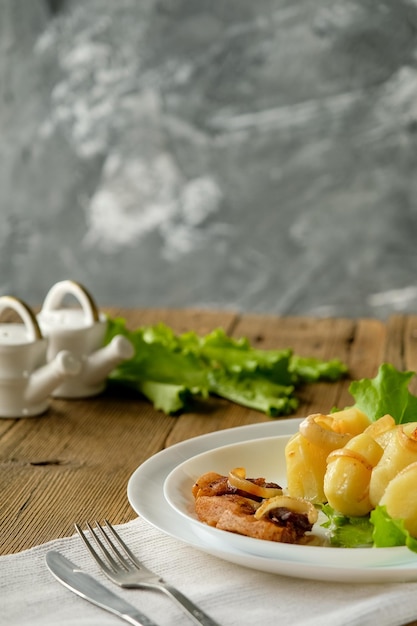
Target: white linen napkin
231, 594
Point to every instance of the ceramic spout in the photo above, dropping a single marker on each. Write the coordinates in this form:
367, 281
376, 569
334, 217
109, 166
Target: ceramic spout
99, 364
44, 380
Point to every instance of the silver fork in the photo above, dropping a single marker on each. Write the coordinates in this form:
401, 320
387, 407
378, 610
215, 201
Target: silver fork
124, 569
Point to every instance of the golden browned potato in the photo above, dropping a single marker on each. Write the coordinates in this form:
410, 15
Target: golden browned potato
348, 474
400, 497
352, 421
307, 451
400, 451
380, 430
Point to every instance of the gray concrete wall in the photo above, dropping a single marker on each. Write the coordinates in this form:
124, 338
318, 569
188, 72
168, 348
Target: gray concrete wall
255, 155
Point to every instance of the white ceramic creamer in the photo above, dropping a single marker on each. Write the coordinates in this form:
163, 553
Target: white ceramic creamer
26, 379
82, 330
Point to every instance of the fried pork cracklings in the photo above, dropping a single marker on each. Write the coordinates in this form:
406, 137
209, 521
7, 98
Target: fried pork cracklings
251, 507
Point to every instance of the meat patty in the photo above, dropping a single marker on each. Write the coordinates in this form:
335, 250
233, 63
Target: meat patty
211, 484
218, 504
236, 514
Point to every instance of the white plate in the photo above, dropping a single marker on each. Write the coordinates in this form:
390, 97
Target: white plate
146, 495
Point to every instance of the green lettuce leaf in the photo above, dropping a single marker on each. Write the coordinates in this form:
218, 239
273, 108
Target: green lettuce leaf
171, 369
386, 393
378, 530
390, 532
310, 370
348, 532
165, 397
237, 356
254, 392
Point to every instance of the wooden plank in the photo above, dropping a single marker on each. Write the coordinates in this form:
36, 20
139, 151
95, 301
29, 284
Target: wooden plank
394, 345
84, 448
366, 353
213, 415
180, 320
410, 349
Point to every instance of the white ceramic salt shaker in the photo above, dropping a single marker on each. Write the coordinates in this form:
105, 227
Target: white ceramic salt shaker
82, 330
26, 379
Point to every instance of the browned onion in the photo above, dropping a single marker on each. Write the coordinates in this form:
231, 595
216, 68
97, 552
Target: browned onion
351, 454
312, 430
407, 436
296, 505
237, 478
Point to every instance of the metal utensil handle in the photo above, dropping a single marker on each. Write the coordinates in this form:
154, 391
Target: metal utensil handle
57, 292
194, 611
90, 589
25, 312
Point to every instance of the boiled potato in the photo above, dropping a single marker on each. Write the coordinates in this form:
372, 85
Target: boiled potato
400, 497
348, 473
307, 451
351, 420
400, 451
380, 430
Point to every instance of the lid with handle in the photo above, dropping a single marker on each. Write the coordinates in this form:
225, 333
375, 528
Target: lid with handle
15, 334
54, 316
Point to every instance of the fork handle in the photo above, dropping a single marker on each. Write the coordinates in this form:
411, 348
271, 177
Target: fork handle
192, 609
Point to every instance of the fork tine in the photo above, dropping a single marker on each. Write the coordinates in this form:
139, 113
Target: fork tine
124, 547
121, 562
90, 548
112, 564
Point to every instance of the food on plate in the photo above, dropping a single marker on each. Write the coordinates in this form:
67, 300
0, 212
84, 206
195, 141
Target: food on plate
348, 471
400, 451
307, 451
252, 507
400, 498
358, 474
380, 430
369, 479
368, 486
348, 474
357, 467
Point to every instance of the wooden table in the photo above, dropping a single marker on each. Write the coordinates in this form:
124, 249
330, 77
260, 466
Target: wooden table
73, 463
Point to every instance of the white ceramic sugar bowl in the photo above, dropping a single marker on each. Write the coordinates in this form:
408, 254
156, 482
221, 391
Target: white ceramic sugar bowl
82, 330
26, 379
